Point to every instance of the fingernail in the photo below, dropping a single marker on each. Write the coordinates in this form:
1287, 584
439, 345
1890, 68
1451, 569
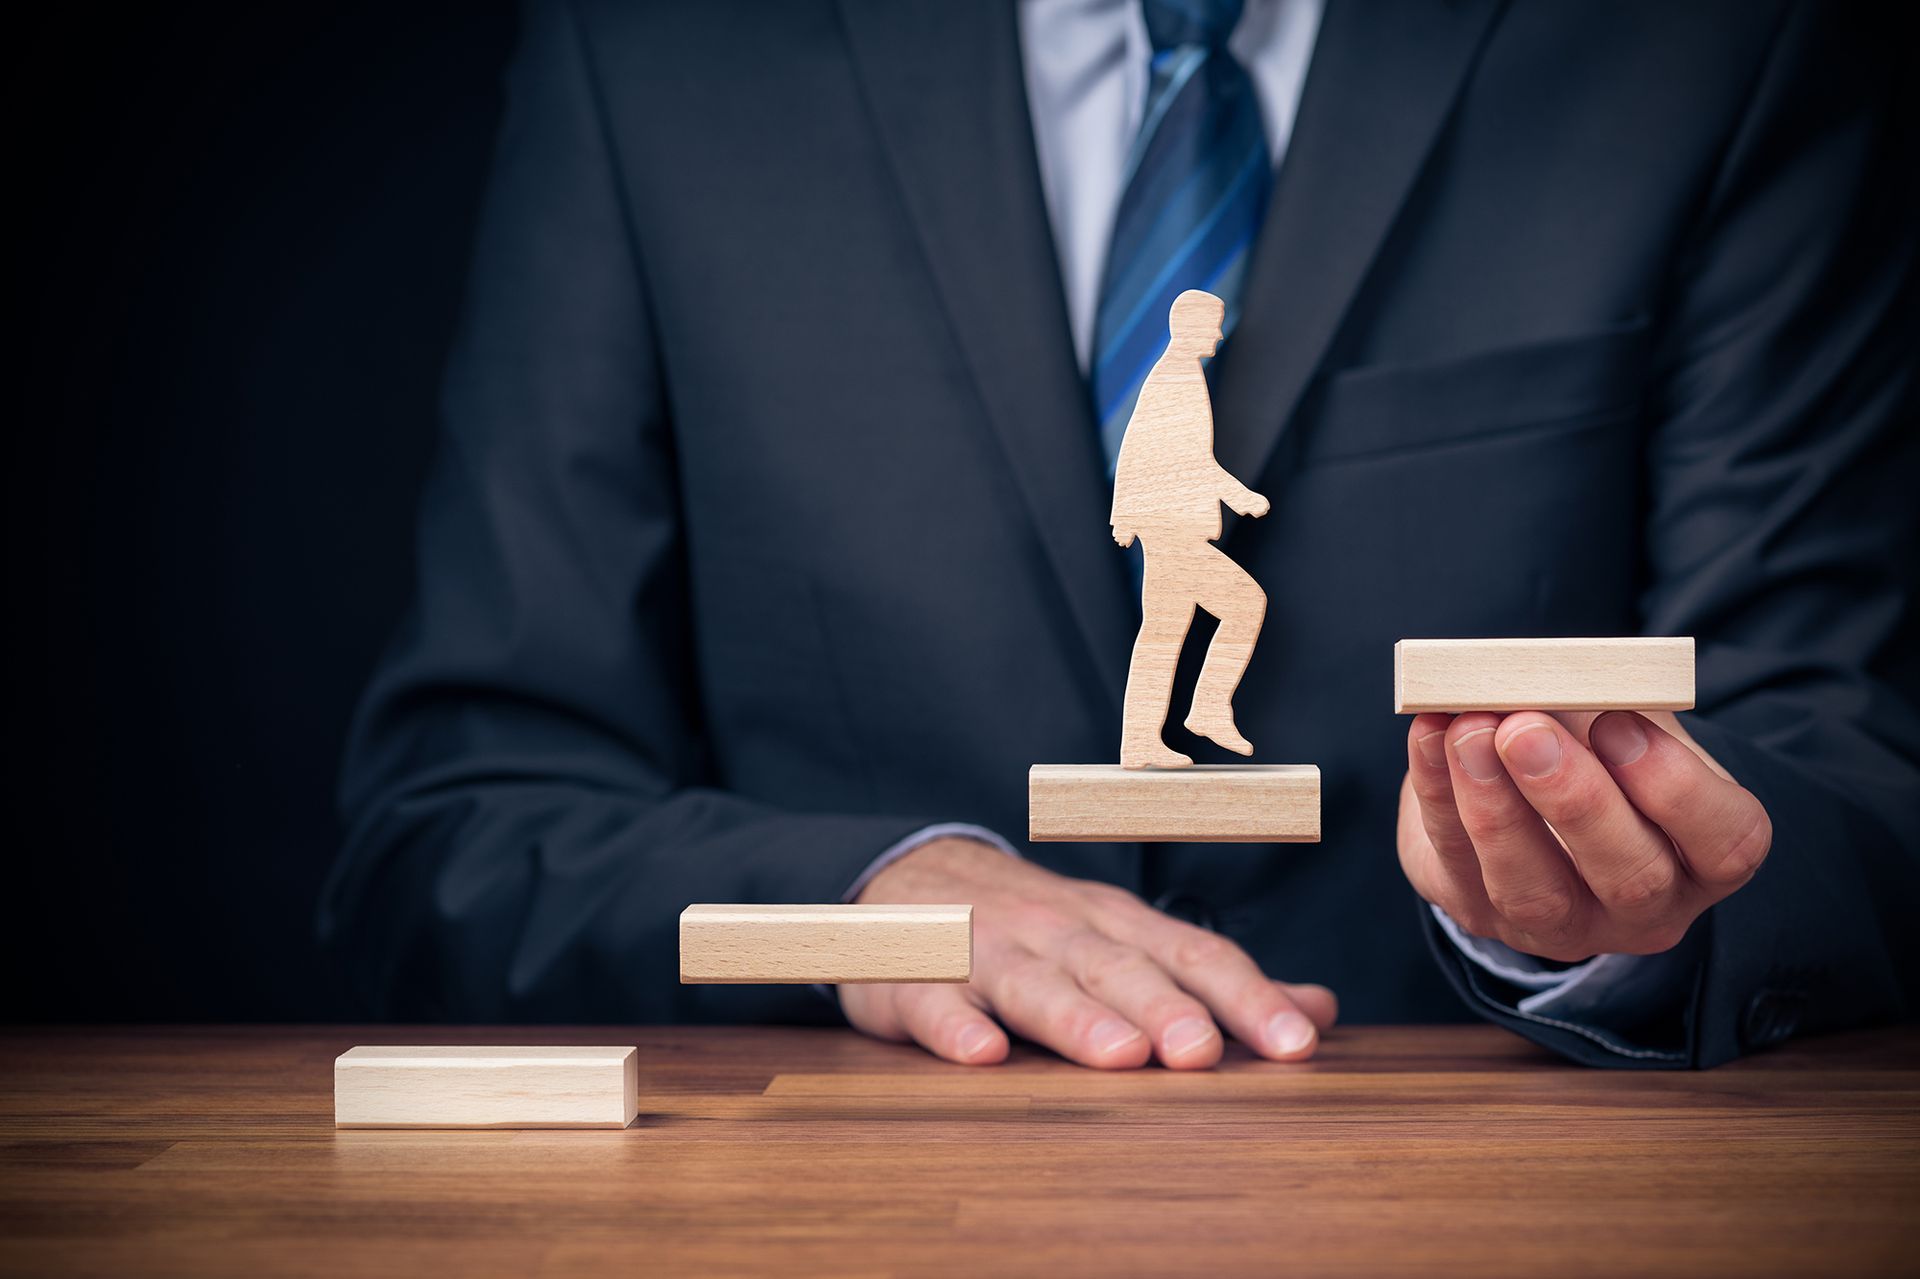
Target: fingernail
1290, 1033
1534, 751
1112, 1035
1477, 755
1433, 748
1619, 738
1188, 1034
973, 1041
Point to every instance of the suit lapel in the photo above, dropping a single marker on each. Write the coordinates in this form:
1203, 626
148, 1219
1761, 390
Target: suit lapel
945, 87
1381, 84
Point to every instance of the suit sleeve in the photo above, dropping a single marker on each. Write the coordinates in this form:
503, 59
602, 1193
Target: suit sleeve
527, 800
1782, 531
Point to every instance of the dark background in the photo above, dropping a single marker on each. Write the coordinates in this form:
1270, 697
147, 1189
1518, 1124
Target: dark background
236, 249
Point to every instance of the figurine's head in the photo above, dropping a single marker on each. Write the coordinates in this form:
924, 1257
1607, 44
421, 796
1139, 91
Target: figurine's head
1195, 323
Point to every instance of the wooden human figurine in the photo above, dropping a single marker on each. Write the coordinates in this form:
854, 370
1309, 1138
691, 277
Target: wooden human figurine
1167, 491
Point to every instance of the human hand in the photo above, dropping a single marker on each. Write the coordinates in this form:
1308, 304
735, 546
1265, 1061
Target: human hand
1573, 835
1122, 537
1087, 969
1250, 504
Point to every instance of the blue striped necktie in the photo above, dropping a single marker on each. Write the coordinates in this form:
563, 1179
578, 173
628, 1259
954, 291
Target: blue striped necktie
1196, 187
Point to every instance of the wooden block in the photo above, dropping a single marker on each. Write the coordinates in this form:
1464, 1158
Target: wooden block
1543, 674
1219, 803
828, 945
449, 1087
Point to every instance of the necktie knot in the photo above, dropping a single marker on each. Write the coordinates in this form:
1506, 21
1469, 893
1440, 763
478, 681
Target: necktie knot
1173, 23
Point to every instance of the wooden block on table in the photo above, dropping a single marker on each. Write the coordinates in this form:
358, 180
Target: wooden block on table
828, 945
1221, 803
1634, 674
518, 1087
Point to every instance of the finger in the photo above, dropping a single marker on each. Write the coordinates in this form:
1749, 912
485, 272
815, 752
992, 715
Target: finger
1257, 1010
871, 1010
1040, 1000
944, 1021
1455, 882
1722, 831
1530, 883
1433, 787
1127, 979
1321, 1005
1627, 862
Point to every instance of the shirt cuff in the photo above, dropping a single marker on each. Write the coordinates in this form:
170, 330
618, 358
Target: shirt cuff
1612, 999
925, 835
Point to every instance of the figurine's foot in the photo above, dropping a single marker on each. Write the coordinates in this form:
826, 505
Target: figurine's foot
1158, 755
1222, 731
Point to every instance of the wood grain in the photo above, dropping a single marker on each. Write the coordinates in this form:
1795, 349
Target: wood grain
485, 1086
828, 945
1459, 1150
1229, 803
1167, 491
1630, 674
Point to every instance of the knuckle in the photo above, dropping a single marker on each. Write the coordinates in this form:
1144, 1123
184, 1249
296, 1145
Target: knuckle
1470, 915
1201, 949
1481, 921
1647, 888
1025, 970
1580, 806
1559, 950
1105, 894
1497, 822
1114, 966
1541, 912
1743, 858
1038, 919
1113, 908
1434, 789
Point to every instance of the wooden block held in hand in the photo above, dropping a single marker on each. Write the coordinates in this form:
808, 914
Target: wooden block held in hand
1452, 675
1217, 803
452, 1087
828, 945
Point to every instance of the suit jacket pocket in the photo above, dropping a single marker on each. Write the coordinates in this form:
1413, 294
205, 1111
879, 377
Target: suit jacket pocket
1386, 409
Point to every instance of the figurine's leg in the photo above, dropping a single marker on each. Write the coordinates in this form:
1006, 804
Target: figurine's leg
1166, 614
1230, 594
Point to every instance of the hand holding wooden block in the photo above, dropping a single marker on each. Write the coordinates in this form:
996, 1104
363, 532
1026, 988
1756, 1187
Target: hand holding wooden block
453, 1087
827, 945
1453, 675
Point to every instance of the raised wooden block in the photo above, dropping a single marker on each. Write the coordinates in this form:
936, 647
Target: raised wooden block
1632, 674
447, 1087
825, 945
1209, 803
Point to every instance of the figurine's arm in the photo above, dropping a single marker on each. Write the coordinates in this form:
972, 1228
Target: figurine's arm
1240, 499
1125, 485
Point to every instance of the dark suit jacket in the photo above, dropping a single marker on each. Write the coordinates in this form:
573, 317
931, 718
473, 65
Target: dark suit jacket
769, 521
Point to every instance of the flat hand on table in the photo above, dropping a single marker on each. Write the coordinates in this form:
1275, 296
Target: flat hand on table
1085, 968
1572, 835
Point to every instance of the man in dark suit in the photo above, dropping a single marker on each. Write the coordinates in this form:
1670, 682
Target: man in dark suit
767, 548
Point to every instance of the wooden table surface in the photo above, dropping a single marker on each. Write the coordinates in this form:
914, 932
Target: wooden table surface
1454, 1150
